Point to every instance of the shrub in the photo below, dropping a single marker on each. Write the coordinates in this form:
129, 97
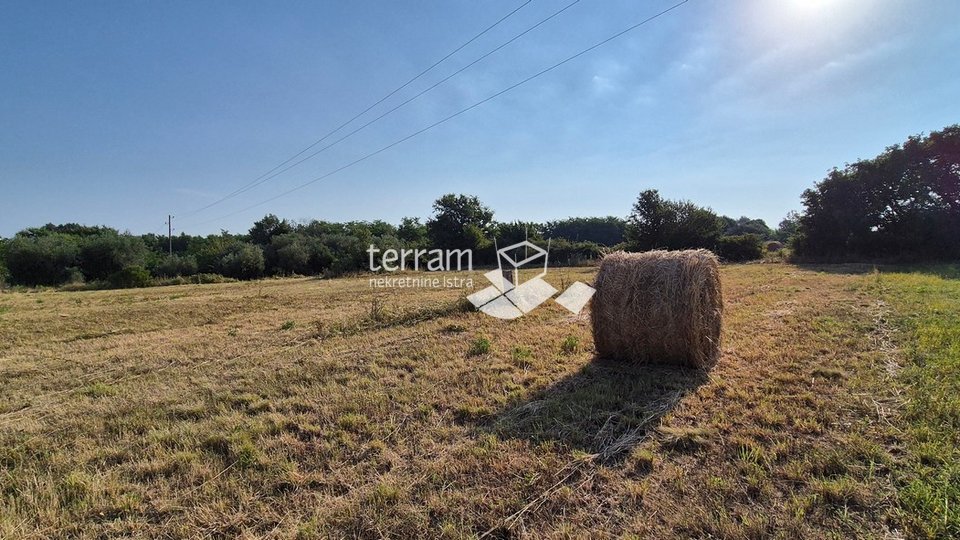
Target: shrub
74, 276
3, 261
129, 277
41, 260
213, 278
242, 261
658, 223
106, 254
745, 247
176, 265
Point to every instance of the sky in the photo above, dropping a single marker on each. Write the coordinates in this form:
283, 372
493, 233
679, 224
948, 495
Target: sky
120, 113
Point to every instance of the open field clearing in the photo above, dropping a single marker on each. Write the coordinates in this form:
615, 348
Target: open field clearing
306, 408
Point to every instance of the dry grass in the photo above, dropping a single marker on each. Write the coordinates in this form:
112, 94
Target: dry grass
199, 411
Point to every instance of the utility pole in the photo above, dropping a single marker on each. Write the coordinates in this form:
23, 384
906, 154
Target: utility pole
170, 233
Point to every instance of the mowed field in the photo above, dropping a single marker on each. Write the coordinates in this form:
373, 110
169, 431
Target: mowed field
307, 408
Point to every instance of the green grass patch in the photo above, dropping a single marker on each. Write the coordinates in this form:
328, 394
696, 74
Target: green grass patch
928, 313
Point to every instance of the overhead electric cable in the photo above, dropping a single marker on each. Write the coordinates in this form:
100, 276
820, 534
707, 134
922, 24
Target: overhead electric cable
454, 115
361, 113
256, 183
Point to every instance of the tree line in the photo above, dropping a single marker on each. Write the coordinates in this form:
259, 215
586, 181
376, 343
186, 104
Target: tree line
104, 257
904, 204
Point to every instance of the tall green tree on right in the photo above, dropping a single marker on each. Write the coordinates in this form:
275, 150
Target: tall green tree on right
904, 204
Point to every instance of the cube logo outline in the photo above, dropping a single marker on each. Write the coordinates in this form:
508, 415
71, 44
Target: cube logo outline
506, 300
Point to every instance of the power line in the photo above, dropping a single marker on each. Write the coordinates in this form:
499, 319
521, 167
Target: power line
456, 114
256, 183
365, 111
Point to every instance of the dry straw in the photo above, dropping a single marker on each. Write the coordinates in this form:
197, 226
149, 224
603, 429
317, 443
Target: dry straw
663, 307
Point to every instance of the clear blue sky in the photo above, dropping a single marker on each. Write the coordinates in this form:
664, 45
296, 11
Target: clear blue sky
117, 113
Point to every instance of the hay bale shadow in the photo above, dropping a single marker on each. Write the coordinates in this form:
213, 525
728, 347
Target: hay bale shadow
606, 408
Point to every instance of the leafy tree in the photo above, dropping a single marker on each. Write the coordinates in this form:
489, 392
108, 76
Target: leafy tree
348, 253
745, 247
605, 231
107, 253
320, 255
4, 273
902, 204
648, 222
788, 227
41, 260
317, 228
516, 231
159, 244
745, 225
209, 250
412, 233
660, 223
291, 253
130, 276
242, 261
381, 228
565, 252
268, 227
176, 265
459, 222
69, 229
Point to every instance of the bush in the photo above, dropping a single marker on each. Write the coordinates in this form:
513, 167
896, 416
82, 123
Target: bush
176, 265
74, 276
108, 253
290, 254
213, 278
658, 223
3, 261
129, 277
41, 260
745, 247
243, 261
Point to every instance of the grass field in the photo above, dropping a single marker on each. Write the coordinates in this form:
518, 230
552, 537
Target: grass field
305, 408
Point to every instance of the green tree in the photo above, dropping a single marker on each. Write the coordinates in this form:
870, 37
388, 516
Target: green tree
129, 277
266, 228
516, 231
176, 265
242, 261
459, 222
210, 250
901, 204
292, 253
739, 248
745, 225
660, 223
788, 227
4, 273
41, 260
108, 252
412, 233
604, 231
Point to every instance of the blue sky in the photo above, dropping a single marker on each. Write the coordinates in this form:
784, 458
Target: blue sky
119, 113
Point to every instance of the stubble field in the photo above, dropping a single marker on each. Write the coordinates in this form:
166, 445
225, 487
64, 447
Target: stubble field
307, 408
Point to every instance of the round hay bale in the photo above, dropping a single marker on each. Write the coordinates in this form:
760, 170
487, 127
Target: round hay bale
663, 307
774, 246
